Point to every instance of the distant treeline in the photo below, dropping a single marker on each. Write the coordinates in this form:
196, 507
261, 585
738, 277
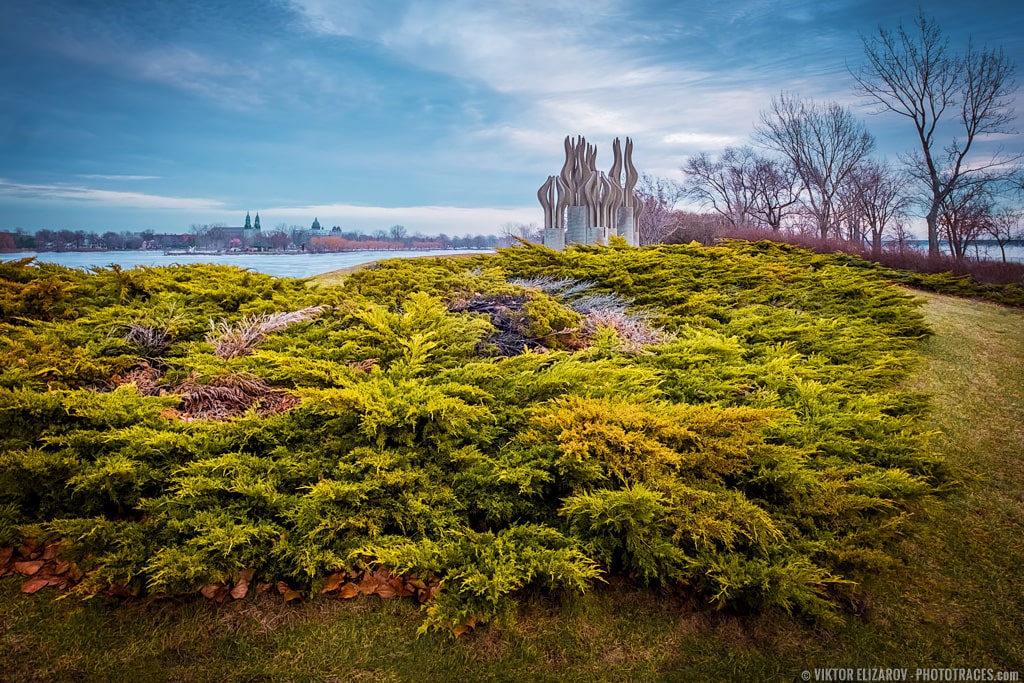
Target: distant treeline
282, 238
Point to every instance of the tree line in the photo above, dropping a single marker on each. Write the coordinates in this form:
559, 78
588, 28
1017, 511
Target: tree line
281, 238
809, 168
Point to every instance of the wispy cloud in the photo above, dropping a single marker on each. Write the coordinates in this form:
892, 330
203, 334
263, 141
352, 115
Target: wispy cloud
104, 176
567, 69
111, 198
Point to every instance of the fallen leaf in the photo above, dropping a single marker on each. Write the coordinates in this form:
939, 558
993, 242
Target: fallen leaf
28, 567
348, 590
61, 567
462, 630
33, 585
209, 592
240, 590
247, 575
263, 587
51, 551
368, 586
333, 582
385, 591
290, 595
401, 588
5, 555
31, 549
118, 591
282, 587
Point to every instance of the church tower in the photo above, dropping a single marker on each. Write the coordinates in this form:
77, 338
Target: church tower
256, 223
248, 221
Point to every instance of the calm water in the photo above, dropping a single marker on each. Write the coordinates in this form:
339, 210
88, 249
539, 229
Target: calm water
985, 250
280, 265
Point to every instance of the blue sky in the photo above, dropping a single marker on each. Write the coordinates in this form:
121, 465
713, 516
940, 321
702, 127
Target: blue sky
444, 116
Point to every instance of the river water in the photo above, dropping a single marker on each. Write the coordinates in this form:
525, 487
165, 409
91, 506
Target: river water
280, 265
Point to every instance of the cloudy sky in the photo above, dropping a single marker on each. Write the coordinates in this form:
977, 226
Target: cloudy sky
442, 115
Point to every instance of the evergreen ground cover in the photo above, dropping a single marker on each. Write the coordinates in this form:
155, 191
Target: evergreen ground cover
741, 463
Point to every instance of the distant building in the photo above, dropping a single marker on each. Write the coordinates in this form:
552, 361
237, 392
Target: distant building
248, 236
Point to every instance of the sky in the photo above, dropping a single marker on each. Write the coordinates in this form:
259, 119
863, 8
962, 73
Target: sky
440, 115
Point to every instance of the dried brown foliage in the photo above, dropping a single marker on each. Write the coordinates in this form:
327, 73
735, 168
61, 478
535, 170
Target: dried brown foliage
231, 341
231, 396
380, 582
40, 564
634, 331
155, 340
364, 365
145, 378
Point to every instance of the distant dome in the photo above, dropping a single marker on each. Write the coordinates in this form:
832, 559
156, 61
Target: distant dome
316, 224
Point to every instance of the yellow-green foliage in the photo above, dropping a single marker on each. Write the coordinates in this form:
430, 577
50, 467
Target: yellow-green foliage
761, 453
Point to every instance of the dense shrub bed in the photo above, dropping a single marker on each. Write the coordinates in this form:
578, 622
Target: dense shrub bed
722, 420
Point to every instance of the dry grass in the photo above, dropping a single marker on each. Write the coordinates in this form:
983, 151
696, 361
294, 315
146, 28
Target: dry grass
231, 396
231, 341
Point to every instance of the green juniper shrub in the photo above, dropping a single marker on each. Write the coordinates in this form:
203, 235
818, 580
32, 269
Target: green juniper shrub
728, 419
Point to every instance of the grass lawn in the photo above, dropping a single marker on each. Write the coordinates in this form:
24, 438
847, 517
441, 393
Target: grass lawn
957, 600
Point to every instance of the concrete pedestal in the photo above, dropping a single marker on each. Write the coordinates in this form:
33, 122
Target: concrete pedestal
554, 238
575, 225
624, 225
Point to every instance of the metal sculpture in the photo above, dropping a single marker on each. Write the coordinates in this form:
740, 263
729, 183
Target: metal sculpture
583, 205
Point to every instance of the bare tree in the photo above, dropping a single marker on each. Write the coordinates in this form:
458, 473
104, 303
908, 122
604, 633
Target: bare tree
528, 232
1005, 226
743, 186
687, 227
912, 72
964, 216
723, 185
776, 188
898, 232
659, 196
823, 142
880, 198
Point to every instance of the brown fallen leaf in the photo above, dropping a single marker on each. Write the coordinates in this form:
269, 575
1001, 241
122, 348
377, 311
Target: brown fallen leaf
210, 591
74, 573
29, 548
5, 556
33, 585
61, 567
263, 587
290, 595
118, 591
401, 588
348, 591
334, 581
51, 551
28, 567
369, 584
462, 630
240, 590
385, 591
282, 587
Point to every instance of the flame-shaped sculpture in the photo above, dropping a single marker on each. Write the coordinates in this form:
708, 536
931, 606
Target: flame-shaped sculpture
583, 205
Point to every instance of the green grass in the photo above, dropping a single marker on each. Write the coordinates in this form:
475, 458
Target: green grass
957, 599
